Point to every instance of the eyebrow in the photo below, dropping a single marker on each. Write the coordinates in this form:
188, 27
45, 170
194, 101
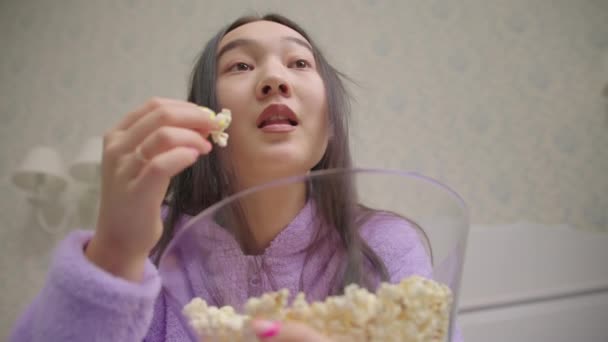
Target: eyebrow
249, 42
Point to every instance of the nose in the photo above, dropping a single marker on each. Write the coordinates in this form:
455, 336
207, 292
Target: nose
273, 84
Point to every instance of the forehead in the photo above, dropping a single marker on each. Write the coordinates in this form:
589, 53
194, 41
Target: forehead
263, 31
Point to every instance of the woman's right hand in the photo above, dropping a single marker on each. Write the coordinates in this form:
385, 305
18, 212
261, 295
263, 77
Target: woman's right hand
140, 156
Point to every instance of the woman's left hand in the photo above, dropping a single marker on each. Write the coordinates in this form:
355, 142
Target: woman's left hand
274, 331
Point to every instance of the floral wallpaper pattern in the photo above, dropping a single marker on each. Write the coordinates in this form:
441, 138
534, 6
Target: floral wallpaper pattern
502, 100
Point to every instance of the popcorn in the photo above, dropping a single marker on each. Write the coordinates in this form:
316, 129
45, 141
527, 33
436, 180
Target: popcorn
270, 306
213, 323
223, 118
417, 309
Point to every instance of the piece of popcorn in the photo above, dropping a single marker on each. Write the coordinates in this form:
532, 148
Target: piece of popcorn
270, 306
223, 119
416, 309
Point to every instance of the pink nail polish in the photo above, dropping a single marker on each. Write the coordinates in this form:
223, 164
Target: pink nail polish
266, 329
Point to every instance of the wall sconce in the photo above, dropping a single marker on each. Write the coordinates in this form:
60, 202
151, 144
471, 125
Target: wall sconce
86, 169
43, 179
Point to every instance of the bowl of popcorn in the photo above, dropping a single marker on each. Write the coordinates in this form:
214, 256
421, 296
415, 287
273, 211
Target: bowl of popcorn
356, 254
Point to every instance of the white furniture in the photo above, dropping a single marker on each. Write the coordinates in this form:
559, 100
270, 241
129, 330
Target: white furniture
528, 282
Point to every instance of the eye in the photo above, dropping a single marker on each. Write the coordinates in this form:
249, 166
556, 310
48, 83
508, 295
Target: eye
301, 64
240, 67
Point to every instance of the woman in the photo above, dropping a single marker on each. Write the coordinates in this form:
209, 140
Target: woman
289, 117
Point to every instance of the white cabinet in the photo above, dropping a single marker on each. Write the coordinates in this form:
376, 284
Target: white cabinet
528, 282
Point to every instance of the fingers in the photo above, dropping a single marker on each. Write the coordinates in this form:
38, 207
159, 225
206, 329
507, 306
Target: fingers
163, 140
158, 171
274, 331
157, 141
167, 138
190, 117
150, 105
157, 113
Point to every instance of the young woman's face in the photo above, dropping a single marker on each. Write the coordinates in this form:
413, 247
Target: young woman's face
268, 78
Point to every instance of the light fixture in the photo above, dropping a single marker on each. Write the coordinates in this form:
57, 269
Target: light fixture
86, 168
43, 179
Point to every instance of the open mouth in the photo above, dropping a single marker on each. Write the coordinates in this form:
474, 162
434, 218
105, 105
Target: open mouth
277, 114
277, 120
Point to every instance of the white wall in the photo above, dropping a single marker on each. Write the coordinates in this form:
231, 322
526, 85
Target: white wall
500, 99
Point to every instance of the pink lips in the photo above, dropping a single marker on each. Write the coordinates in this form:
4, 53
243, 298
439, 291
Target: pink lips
287, 122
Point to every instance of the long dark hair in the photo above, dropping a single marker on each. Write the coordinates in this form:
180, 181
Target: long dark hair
205, 183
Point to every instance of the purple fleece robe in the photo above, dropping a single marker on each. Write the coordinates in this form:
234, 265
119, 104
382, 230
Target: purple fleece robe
81, 302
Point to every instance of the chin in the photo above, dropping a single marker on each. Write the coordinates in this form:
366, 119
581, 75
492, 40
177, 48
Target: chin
285, 162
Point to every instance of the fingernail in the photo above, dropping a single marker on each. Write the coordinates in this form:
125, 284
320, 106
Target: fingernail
265, 329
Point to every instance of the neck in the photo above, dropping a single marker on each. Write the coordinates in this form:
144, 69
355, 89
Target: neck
270, 211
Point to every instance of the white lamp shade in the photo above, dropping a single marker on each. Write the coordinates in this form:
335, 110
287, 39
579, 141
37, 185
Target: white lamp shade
42, 173
86, 167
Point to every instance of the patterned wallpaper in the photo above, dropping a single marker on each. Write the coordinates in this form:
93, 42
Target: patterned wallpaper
502, 100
